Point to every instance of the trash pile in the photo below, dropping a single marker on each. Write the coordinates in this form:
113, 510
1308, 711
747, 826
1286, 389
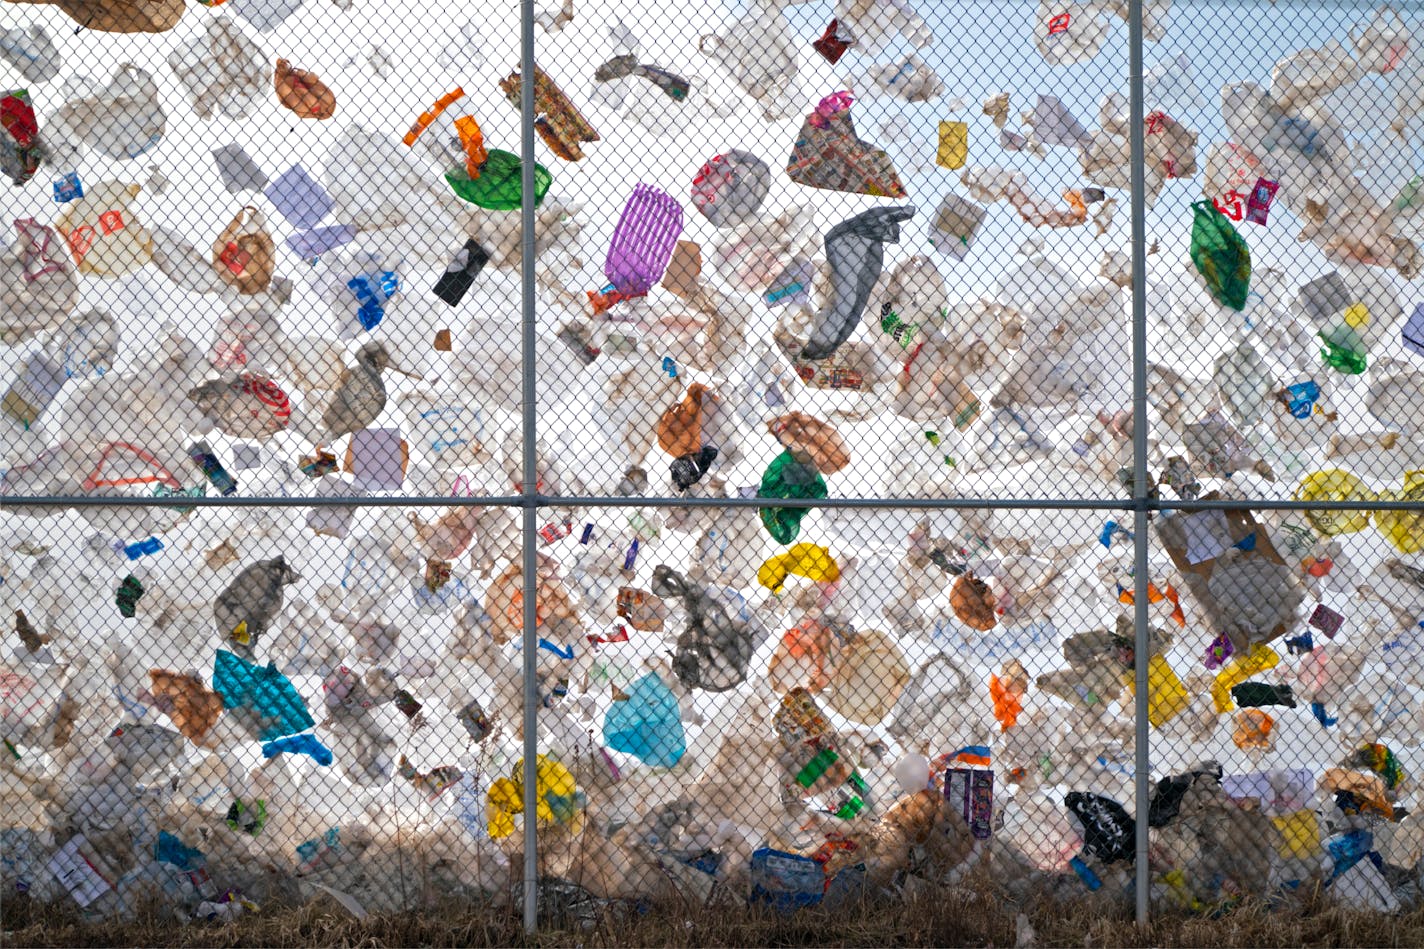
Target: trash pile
271, 249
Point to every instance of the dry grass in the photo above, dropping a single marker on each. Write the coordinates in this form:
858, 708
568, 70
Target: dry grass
971, 916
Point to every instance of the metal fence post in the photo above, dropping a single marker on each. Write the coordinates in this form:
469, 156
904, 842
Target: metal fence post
530, 490
1140, 493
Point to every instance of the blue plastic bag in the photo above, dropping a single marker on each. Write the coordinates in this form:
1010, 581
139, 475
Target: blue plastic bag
647, 724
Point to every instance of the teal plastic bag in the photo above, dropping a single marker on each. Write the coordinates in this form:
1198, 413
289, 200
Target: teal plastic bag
263, 693
1221, 255
786, 477
647, 724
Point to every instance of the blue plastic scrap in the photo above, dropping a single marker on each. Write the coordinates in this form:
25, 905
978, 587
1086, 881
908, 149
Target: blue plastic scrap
299, 745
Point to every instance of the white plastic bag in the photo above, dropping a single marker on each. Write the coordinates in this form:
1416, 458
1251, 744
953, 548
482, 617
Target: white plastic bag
223, 70
38, 285
121, 120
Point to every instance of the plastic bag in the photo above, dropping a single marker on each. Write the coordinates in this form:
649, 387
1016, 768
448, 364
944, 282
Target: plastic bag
500, 184
645, 722
786, 477
810, 441
1308, 74
1069, 33
222, 69
249, 405
104, 235
714, 651
1108, 831
244, 254
302, 93
261, 695
730, 188
249, 604
994, 182
973, 602
22, 150
121, 120
559, 800
804, 560
1335, 484
1221, 256
760, 53
956, 222
680, 427
505, 600
869, 676
191, 706
38, 285
855, 253
1382, 42
121, 16
1404, 529
803, 659
31, 52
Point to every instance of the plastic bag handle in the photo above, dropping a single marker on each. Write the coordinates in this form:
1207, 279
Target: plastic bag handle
250, 215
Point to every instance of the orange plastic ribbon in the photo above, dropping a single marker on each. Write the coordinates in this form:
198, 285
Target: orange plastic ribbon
430, 115
473, 141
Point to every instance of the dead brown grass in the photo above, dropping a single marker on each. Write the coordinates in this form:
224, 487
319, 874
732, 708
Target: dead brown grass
979, 916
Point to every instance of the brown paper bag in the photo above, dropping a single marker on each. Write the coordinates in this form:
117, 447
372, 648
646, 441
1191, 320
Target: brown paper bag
244, 254
684, 269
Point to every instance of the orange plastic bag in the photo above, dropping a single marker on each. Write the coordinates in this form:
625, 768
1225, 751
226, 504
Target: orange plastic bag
1007, 693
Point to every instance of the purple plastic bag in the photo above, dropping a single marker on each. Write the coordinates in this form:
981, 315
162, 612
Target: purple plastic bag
643, 241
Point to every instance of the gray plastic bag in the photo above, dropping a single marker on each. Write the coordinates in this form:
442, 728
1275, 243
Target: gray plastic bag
855, 252
251, 602
714, 651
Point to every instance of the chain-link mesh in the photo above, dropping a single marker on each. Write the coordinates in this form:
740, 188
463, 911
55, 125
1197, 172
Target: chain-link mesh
836, 569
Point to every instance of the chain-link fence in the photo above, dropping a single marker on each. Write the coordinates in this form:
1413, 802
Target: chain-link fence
793, 451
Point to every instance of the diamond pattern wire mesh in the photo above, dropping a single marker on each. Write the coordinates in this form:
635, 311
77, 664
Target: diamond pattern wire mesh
836, 530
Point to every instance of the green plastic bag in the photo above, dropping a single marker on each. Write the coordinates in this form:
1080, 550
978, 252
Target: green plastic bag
499, 186
786, 477
1344, 350
1221, 255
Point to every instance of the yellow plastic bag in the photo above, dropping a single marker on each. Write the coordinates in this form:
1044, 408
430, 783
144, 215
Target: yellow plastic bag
805, 560
1300, 834
560, 800
1241, 668
953, 145
1166, 696
1403, 529
1335, 484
